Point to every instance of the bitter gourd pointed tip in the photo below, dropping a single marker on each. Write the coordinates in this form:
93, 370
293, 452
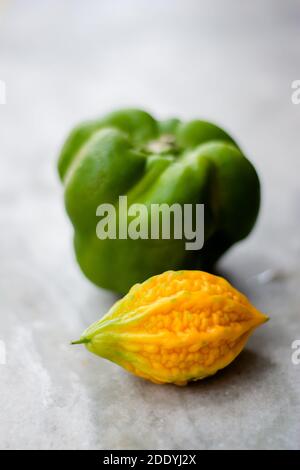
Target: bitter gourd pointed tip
264, 318
81, 341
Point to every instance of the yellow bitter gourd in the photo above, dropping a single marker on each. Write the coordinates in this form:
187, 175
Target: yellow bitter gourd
175, 327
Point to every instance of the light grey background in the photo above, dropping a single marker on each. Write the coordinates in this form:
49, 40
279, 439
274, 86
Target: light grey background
63, 61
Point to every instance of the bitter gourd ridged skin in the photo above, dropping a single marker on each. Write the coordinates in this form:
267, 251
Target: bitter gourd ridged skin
175, 327
130, 153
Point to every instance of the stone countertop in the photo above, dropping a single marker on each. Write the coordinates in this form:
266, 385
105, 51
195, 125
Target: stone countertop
232, 62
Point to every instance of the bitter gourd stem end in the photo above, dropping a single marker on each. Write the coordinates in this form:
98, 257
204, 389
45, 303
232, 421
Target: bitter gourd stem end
81, 341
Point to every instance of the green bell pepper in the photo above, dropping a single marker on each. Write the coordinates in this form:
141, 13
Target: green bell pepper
130, 153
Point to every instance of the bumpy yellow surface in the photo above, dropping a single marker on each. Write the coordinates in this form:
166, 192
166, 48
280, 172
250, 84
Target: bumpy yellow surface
175, 327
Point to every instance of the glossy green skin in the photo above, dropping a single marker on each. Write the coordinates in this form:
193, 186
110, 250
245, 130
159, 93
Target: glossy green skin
125, 153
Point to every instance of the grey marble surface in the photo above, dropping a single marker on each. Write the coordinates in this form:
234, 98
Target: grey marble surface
229, 61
